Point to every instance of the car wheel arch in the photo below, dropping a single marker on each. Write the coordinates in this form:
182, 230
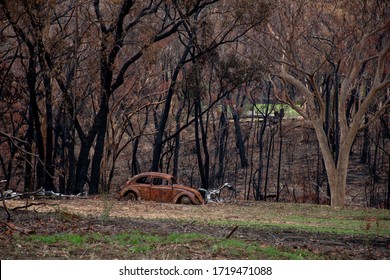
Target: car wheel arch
179, 196
127, 190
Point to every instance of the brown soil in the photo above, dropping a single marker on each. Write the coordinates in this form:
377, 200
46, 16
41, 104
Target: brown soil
107, 216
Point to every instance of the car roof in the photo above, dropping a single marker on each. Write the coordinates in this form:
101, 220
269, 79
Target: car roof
154, 174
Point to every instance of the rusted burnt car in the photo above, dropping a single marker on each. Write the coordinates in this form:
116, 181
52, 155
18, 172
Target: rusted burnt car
159, 187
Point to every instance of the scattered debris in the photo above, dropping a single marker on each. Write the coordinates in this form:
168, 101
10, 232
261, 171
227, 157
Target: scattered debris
41, 193
214, 195
10, 194
14, 227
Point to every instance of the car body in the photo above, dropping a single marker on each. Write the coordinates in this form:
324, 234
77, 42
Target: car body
159, 187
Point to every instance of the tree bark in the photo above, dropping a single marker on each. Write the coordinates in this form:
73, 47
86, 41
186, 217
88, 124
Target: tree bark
239, 140
388, 185
31, 81
28, 175
221, 148
281, 115
158, 142
337, 174
83, 158
201, 145
99, 149
177, 142
49, 151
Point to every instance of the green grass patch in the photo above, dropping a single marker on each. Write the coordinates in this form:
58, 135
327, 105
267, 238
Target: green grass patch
137, 245
74, 239
304, 218
282, 219
340, 227
136, 242
238, 248
135, 238
289, 254
241, 249
185, 237
363, 226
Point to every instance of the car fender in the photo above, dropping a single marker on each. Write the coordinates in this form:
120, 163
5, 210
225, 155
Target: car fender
189, 194
127, 189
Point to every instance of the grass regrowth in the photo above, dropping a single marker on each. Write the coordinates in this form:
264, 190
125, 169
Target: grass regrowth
137, 245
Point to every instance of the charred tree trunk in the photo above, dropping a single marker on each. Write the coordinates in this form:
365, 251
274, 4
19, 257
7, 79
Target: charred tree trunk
270, 147
71, 160
158, 142
177, 142
135, 169
83, 158
31, 82
59, 149
239, 140
49, 151
260, 141
366, 144
28, 175
280, 118
388, 184
99, 148
222, 142
201, 145
258, 195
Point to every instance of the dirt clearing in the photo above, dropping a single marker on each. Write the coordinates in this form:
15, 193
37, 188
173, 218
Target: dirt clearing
320, 231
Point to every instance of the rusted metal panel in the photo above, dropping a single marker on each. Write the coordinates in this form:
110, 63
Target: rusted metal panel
160, 187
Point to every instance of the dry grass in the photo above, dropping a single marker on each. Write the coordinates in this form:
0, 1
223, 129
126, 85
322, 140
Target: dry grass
104, 228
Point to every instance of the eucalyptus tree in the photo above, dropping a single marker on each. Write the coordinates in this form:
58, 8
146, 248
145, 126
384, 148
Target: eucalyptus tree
309, 39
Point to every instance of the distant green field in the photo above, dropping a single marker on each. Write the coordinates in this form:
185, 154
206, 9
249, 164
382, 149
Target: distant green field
262, 108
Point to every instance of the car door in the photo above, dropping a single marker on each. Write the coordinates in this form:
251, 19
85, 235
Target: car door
161, 190
143, 185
